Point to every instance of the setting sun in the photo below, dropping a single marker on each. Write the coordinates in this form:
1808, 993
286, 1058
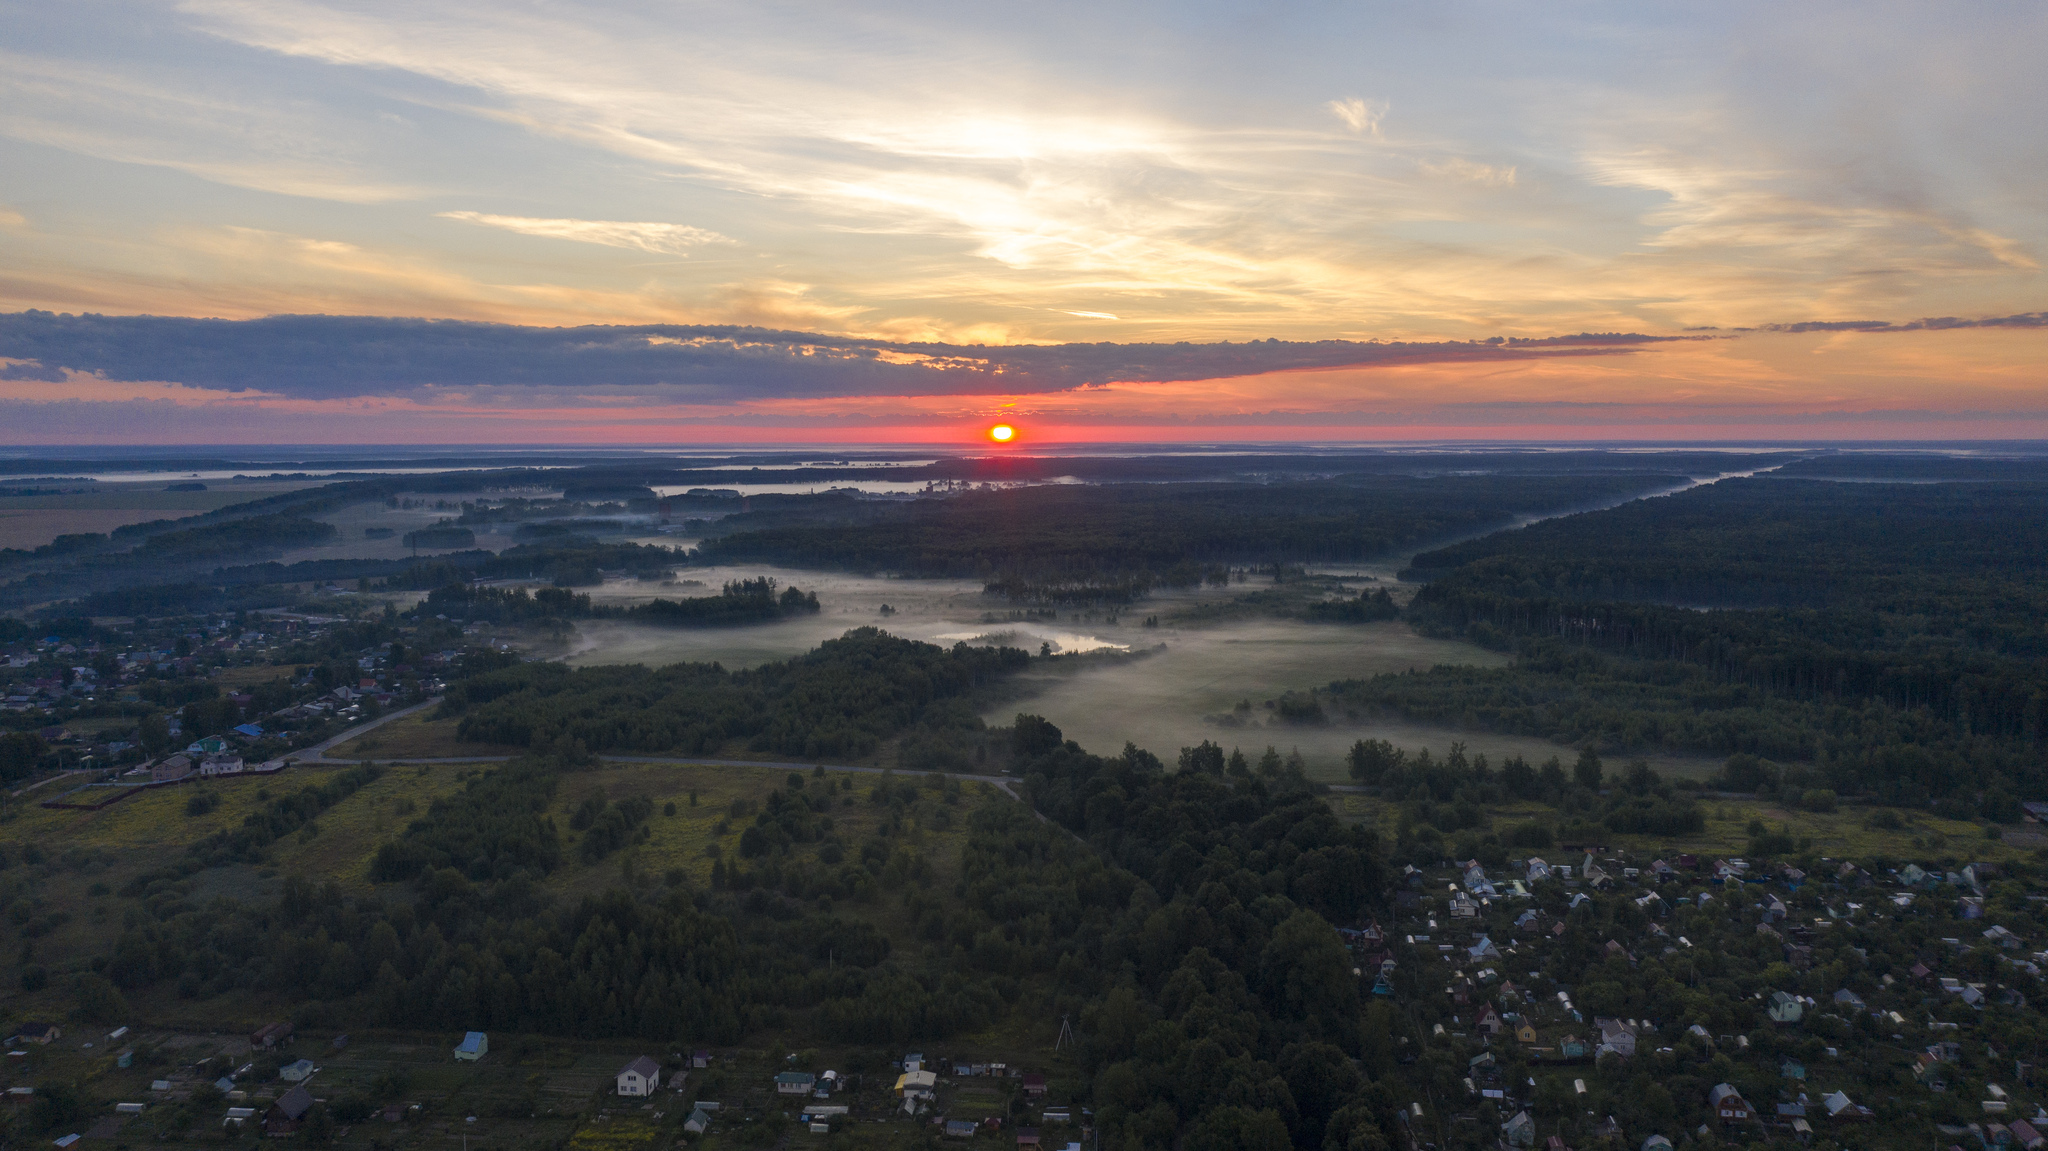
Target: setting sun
1002, 433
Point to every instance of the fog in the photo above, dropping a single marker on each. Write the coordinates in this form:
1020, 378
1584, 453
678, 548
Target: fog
1162, 688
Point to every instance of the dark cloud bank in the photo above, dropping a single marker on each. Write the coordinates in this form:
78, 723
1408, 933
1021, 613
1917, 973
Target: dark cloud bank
342, 356
346, 356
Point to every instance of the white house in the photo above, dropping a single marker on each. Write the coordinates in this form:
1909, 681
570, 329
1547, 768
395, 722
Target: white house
640, 1077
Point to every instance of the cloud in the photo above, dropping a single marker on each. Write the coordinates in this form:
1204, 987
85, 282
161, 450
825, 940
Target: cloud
1458, 168
668, 239
1094, 315
1361, 116
1929, 324
330, 357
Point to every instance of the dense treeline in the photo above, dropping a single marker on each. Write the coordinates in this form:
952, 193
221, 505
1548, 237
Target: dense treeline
493, 828
1443, 801
738, 602
489, 948
842, 699
1888, 633
1061, 534
1371, 605
1223, 1009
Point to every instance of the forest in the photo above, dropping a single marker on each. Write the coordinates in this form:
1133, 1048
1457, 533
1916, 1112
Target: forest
738, 602
1122, 539
1887, 635
840, 700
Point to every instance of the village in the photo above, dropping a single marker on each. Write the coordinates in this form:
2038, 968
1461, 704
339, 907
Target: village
95, 716
386, 1091
1611, 1001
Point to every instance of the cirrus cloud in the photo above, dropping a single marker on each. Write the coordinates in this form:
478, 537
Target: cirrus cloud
666, 239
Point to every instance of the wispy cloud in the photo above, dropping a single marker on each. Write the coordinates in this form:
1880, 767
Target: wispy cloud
669, 239
1361, 116
1459, 168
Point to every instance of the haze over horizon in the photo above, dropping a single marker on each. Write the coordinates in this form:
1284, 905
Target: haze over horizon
636, 223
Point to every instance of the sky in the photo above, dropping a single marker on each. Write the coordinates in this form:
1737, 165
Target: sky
559, 221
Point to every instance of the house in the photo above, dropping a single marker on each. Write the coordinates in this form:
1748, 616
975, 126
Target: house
1482, 950
2001, 937
37, 1033
1463, 906
1839, 1106
798, 1083
250, 730
288, 1113
297, 1072
1524, 1032
1792, 1069
170, 769
1701, 1034
1656, 1143
910, 1083
475, 1045
698, 1122
1849, 999
1928, 1072
1617, 1037
220, 764
1027, 1136
1727, 1104
1034, 1085
700, 1058
1489, 1020
640, 1077
959, 1128
1529, 919
1519, 1131
1785, 1008
1572, 1047
2025, 1136
1538, 870
211, 745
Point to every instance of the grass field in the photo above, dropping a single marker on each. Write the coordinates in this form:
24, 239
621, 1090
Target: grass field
416, 736
32, 521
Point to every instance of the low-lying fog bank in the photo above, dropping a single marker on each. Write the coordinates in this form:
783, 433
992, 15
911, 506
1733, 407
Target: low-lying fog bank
1171, 693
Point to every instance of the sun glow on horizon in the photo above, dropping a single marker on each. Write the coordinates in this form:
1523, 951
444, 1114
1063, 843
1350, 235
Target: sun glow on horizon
1002, 433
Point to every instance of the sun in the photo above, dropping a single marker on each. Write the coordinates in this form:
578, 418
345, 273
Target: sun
1002, 433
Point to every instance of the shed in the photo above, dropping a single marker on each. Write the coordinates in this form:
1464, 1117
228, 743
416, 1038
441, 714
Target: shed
1519, 1131
270, 1035
1027, 1136
698, 1122
959, 1128
297, 1071
795, 1083
1034, 1084
474, 1046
